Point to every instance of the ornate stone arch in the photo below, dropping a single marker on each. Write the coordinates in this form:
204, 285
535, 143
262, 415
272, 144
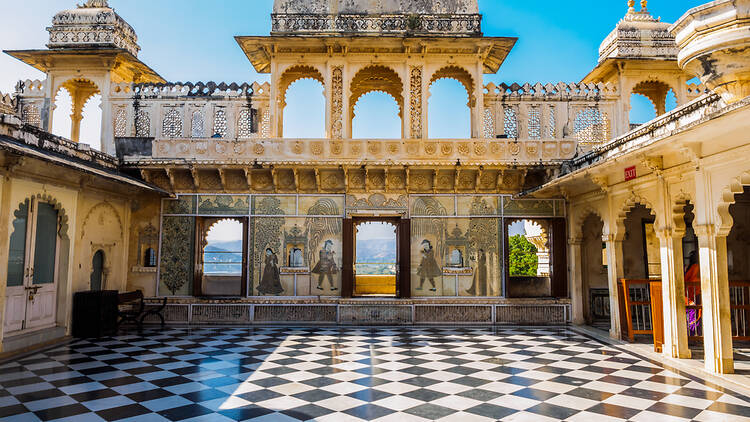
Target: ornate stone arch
459, 74
102, 206
631, 202
681, 200
655, 90
376, 78
727, 198
580, 220
294, 74
62, 216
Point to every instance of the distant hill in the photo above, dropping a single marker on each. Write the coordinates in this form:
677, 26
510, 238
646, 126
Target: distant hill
226, 246
376, 250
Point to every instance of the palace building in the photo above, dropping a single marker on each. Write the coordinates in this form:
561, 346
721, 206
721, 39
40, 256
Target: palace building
555, 210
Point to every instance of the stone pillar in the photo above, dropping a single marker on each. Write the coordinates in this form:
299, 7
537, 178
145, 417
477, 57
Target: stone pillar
108, 129
575, 265
614, 274
673, 295
335, 103
414, 104
717, 328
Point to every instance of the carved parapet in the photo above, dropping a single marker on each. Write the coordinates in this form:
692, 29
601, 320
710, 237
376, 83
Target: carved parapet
30, 88
392, 24
548, 92
714, 45
200, 89
380, 151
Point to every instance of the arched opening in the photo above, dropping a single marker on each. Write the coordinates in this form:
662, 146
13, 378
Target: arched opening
376, 116
596, 303
373, 117
223, 256
61, 122
650, 99
375, 258
641, 265
305, 112
451, 99
91, 123
97, 271
449, 113
305, 83
691, 268
738, 263
82, 99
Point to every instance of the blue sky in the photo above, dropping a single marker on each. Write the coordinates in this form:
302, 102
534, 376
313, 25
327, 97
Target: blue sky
192, 40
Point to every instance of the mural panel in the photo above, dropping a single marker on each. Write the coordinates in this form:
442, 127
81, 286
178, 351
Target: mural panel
223, 205
181, 205
177, 252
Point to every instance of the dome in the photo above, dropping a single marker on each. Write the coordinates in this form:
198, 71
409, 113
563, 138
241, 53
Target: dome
376, 7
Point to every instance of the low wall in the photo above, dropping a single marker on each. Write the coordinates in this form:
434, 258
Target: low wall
366, 312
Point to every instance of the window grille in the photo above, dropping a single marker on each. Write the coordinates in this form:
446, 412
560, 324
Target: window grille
246, 123
511, 122
142, 124
535, 123
220, 124
197, 125
172, 125
30, 115
551, 132
121, 123
489, 123
591, 126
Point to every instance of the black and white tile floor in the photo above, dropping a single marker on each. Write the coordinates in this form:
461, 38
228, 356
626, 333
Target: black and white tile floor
353, 374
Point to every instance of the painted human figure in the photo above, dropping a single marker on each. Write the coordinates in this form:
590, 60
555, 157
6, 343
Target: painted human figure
270, 283
428, 268
326, 266
480, 286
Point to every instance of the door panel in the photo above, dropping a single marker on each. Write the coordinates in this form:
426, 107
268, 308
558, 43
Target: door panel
15, 309
17, 252
45, 244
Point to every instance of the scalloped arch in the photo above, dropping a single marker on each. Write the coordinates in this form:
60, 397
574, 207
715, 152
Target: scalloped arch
728, 198
62, 216
459, 74
296, 73
102, 205
376, 78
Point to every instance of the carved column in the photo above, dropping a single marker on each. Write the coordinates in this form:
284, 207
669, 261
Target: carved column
575, 264
336, 105
614, 274
673, 295
415, 103
717, 320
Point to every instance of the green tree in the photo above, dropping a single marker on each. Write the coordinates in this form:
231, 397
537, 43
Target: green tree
523, 259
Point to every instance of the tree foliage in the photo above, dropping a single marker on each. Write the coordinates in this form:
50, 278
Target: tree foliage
523, 259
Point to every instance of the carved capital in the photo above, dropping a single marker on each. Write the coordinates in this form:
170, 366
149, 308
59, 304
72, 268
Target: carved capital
601, 181
655, 164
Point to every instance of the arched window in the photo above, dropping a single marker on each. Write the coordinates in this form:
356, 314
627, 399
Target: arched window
97, 271
149, 258
142, 124
172, 125
61, 123
450, 102
91, 124
197, 125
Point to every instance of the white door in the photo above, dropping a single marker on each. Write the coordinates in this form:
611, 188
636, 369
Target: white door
32, 268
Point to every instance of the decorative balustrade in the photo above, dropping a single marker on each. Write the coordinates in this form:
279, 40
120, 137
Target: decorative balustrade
355, 151
191, 110
579, 111
422, 24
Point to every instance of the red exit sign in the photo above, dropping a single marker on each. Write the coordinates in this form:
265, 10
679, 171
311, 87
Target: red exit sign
630, 173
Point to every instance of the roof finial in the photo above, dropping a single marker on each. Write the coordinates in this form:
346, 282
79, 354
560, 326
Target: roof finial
644, 5
631, 6
95, 4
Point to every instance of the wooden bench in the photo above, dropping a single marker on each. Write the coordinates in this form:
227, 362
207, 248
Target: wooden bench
132, 308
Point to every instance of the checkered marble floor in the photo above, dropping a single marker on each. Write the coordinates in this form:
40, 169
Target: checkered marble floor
353, 374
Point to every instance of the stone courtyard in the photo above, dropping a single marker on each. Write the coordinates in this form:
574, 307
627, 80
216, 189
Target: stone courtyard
355, 374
